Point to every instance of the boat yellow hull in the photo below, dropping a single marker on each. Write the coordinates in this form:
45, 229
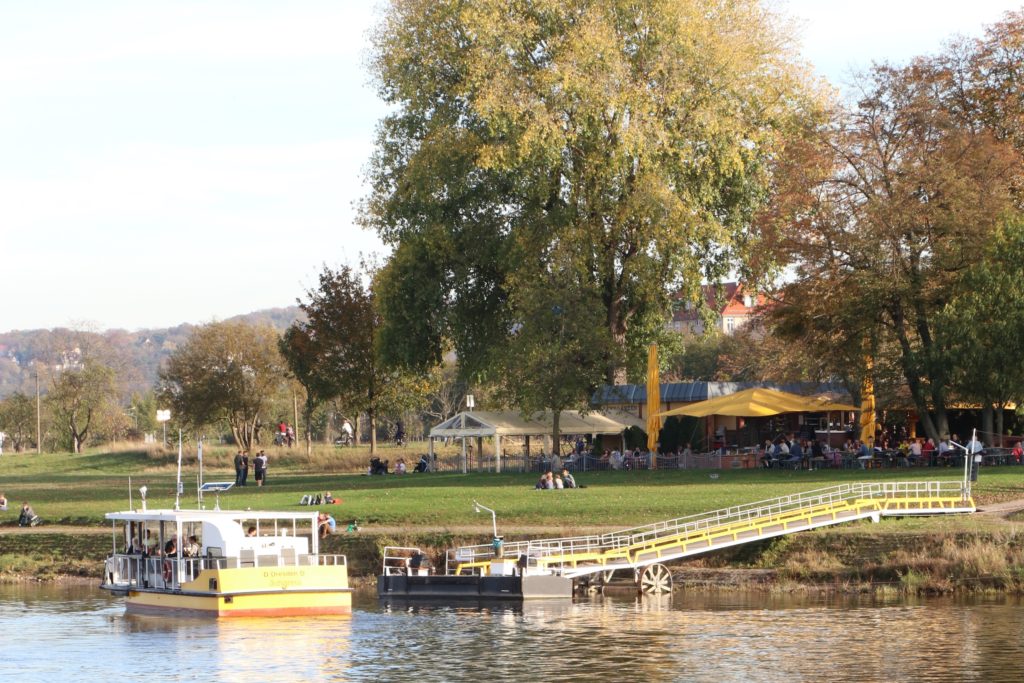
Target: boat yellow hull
251, 592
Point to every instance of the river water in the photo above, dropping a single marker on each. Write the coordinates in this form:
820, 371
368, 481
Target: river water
53, 633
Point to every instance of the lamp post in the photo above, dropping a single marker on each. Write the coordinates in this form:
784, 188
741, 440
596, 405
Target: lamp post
39, 418
162, 416
497, 542
470, 404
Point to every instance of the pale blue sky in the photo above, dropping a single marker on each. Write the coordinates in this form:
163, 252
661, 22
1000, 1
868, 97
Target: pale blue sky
168, 162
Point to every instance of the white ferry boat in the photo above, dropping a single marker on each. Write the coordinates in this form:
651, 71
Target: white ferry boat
224, 564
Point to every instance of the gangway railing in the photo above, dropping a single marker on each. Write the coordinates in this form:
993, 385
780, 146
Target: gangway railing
694, 534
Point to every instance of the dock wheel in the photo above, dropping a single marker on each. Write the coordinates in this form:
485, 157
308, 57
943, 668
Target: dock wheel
655, 579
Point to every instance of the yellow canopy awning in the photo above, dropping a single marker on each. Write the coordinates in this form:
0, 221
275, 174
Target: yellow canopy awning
759, 402
827, 404
755, 402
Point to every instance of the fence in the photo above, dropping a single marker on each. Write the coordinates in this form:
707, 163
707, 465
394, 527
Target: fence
521, 462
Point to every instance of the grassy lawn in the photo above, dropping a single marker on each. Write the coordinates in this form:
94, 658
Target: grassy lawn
79, 489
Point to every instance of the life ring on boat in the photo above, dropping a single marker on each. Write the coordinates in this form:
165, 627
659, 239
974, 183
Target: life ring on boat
167, 570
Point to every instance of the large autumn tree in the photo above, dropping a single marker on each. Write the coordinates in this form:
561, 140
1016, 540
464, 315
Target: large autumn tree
880, 213
623, 142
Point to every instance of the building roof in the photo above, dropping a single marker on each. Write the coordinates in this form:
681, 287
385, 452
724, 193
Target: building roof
731, 305
512, 423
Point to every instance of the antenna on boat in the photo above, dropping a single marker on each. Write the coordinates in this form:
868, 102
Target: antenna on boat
130, 493
199, 456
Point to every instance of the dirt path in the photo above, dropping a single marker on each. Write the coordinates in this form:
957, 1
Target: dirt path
463, 530
1004, 509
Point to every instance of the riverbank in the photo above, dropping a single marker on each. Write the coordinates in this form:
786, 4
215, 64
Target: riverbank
970, 556
953, 554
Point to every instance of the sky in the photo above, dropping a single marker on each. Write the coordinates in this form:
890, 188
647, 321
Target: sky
187, 161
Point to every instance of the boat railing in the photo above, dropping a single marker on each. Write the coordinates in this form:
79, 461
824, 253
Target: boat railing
400, 561
580, 548
125, 571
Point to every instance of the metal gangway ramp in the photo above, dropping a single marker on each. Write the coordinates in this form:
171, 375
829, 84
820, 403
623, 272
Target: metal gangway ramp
645, 549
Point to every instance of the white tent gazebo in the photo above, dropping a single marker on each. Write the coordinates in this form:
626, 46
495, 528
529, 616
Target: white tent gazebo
497, 424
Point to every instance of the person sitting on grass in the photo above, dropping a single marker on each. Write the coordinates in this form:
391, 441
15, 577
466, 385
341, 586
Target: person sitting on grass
327, 524
28, 517
568, 480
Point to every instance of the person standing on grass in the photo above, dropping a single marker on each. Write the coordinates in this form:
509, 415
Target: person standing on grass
239, 478
259, 468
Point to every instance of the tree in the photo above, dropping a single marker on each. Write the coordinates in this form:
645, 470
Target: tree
626, 141
226, 372
77, 396
18, 419
984, 323
445, 393
880, 212
336, 350
304, 354
556, 356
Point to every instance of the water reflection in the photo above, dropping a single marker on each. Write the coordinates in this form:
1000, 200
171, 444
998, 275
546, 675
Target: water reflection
729, 637
50, 631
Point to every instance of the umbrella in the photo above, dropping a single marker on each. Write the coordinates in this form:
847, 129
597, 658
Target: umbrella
653, 399
867, 406
755, 402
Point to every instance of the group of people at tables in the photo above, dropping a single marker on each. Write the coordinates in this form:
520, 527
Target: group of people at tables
801, 453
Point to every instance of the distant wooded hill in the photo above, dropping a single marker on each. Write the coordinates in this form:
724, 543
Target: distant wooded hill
138, 354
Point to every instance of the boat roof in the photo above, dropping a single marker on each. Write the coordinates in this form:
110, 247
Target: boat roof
208, 515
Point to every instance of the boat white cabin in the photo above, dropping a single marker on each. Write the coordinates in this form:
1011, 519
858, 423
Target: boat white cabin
224, 563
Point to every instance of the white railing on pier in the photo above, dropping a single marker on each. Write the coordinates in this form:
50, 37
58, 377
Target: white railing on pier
707, 522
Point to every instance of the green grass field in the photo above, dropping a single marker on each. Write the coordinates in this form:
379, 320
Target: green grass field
79, 489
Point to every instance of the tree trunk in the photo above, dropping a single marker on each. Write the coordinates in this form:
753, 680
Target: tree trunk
309, 426
913, 379
357, 429
556, 437
295, 416
616, 373
1000, 410
372, 414
988, 427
